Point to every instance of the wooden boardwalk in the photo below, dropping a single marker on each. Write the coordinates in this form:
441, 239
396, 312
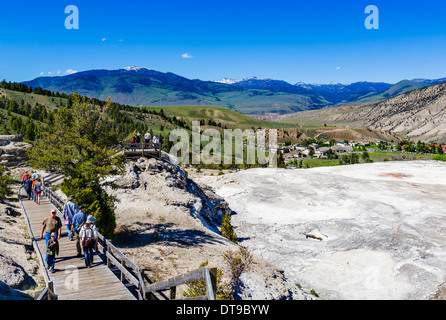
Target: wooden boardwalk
140, 152
72, 280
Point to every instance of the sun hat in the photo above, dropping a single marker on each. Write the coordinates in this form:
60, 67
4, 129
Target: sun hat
91, 219
81, 207
54, 234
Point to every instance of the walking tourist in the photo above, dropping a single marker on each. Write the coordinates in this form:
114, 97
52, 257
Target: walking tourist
78, 221
25, 177
35, 175
156, 142
132, 143
29, 187
52, 250
69, 211
33, 193
51, 224
38, 187
147, 138
89, 238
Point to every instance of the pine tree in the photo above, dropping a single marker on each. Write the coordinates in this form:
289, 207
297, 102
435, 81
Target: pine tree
5, 182
227, 231
81, 146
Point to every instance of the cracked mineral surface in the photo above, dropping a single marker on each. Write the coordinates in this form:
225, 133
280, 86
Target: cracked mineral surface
368, 231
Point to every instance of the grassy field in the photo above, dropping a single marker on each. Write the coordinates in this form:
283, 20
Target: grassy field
229, 118
32, 99
378, 156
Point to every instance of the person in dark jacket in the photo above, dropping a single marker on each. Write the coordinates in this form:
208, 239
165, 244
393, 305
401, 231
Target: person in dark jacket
52, 251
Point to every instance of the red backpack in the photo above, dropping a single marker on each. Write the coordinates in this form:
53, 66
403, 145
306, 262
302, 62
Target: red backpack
88, 241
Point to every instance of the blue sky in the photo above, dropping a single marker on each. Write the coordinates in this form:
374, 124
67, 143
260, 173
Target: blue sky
292, 40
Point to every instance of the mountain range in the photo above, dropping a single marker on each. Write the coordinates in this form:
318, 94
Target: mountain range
416, 115
252, 96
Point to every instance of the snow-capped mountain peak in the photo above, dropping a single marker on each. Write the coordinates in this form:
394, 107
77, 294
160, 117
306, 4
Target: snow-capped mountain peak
233, 81
135, 68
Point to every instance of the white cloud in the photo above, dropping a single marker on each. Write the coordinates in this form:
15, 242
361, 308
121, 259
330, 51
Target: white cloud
58, 72
103, 39
186, 56
70, 71
338, 68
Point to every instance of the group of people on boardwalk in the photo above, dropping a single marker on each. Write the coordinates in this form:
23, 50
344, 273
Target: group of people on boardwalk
80, 227
136, 140
33, 186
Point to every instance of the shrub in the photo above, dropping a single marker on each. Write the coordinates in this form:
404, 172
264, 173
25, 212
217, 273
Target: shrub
238, 262
227, 231
439, 157
5, 182
198, 288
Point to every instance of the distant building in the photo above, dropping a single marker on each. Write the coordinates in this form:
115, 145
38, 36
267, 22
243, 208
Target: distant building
295, 154
342, 148
321, 152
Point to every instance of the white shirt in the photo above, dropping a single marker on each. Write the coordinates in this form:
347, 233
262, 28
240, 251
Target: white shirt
88, 230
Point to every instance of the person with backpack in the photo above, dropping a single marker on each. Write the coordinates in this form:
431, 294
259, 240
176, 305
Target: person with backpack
79, 220
89, 239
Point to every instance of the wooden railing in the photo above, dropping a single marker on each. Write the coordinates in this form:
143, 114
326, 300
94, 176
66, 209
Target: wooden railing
142, 149
49, 293
130, 272
128, 269
206, 274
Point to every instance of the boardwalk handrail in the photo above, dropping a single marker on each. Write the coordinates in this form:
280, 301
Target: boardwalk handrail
209, 275
49, 293
129, 270
141, 148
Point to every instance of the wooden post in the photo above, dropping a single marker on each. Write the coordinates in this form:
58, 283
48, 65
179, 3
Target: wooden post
173, 293
51, 291
213, 273
122, 273
106, 250
209, 284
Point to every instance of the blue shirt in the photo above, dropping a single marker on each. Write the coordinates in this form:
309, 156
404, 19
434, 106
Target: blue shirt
79, 218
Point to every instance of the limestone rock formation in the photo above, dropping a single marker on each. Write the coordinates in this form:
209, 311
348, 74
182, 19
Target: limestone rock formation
13, 151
